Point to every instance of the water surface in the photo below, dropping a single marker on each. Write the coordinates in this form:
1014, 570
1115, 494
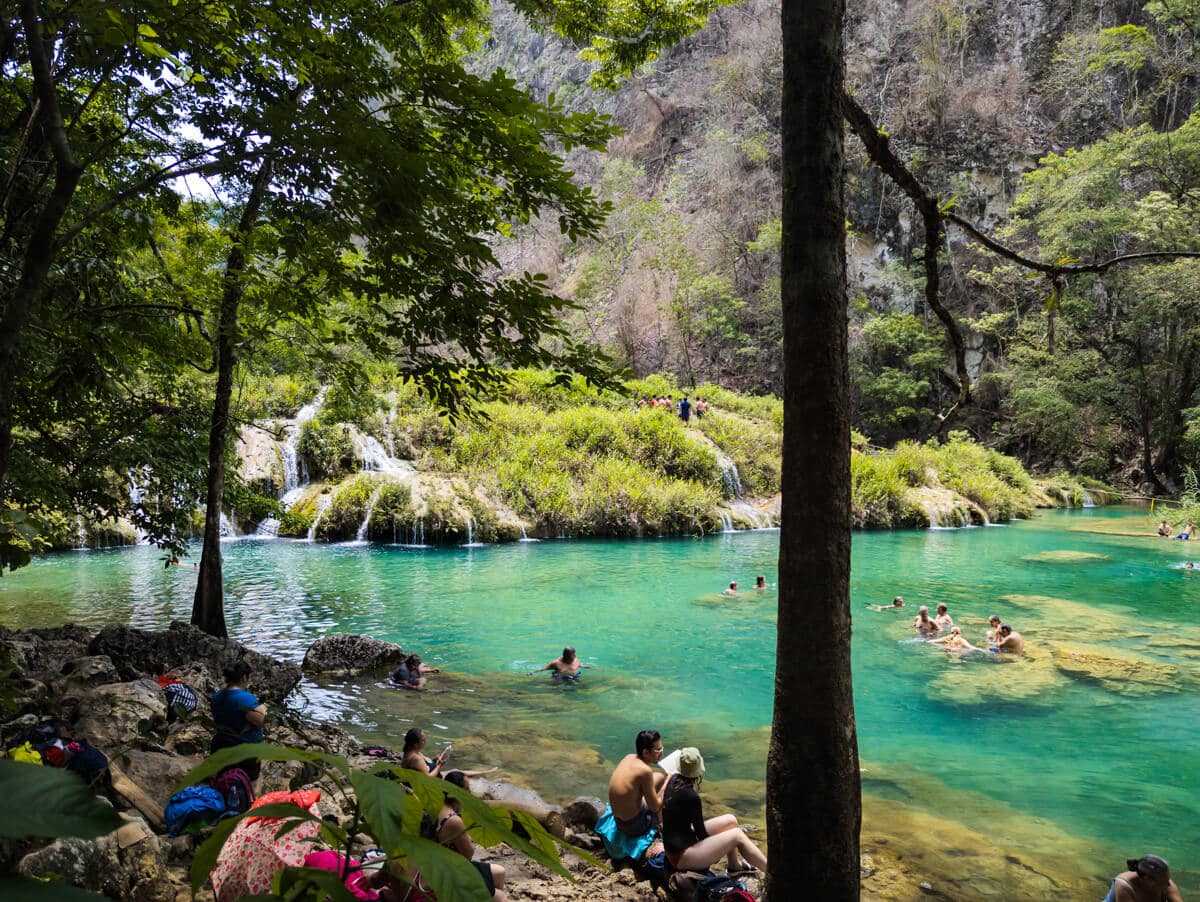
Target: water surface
1061, 765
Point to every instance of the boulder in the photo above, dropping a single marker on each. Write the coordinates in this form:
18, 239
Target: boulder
155, 773
347, 654
138, 653
90, 670
116, 716
128, 864
583, 813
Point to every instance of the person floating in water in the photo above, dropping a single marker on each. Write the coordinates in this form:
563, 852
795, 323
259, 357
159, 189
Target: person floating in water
954, 642
411, 673
566, 667
1009, 641
1148, 878
1164, 529
760, 583
732, 590
897, 604
1188, 532
924, 624
943, 618
1189, 566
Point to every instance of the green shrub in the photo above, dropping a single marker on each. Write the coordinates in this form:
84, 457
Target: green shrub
755, 447
392, 515
877, 491
346, 510
327, 447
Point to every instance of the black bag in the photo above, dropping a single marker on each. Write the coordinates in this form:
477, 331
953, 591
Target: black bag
714, 888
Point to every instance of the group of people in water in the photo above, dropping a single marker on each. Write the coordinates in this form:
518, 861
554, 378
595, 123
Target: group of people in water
940, 630
760, 585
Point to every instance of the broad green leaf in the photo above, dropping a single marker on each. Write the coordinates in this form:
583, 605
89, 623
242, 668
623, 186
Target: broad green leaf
263, 751
147, 32
23, 889
449, 874
49, 801
384, 804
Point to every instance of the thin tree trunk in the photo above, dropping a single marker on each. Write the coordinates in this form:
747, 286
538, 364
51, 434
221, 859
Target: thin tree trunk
814, 810
208, 606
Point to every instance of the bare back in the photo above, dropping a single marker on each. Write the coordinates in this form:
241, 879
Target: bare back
632, 783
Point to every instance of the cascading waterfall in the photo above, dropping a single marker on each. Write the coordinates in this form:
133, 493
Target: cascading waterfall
295, 473
1087, 499
373, 458
726, 522
228, 528
525, 535
471, 543
731, 481
81, 534
322, 503
268, 529
361, 535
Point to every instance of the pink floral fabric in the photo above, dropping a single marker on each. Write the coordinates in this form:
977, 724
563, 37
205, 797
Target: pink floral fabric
251, 856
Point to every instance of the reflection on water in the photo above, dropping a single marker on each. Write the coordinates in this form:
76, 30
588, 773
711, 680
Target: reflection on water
1078, 757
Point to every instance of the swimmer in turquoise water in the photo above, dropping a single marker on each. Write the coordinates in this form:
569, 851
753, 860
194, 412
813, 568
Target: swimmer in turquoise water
897, 604
566, 667
954, 642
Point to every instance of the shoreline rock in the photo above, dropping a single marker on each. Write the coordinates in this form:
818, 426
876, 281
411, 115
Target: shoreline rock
347, 653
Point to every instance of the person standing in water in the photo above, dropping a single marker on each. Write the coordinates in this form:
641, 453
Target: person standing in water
566, 667
943, 618
924, 624
1147, 880
732, 590
760, 583
1009, 641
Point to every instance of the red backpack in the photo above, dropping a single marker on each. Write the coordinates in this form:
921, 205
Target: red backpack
235, 788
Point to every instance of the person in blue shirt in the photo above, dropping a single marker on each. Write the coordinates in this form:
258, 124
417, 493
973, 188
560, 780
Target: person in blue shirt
238, 715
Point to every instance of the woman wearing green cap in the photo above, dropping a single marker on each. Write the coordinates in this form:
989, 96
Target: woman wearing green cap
693, 843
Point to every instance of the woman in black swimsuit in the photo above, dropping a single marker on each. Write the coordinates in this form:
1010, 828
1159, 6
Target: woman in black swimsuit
451, 832
693, 843
414, 759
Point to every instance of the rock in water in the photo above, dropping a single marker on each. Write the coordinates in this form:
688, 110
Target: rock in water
138, 653
347, 653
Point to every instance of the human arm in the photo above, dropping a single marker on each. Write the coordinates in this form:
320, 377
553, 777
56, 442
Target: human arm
425, 668
549, 666
652, 794
256, 717
1172, 893
690, 799
454, 834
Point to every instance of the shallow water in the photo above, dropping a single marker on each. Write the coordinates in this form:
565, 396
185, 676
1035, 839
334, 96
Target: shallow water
1072, 764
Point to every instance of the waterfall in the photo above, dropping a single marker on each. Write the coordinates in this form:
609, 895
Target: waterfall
373, 458
387, 431
81, 534
268, 529
136, 497
228, 527
731, 482
322, 503
295, 473
361, 535
1087, 499
726, 522
471, 543
525, 535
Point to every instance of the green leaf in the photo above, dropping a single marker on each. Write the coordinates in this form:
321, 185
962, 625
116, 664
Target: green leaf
384, 804
263, 751
23, 889
47, 801
449, 874
147, 32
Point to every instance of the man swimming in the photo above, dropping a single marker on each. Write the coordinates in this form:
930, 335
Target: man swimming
923, 624
635, 791
943, 619
897, 604
732, 590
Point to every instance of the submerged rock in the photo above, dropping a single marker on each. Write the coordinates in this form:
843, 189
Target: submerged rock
1117, 670
348, 653
1065, 556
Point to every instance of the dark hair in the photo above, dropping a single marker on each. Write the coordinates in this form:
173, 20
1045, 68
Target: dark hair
1148, 866
1005, 628
941, 606
992, 617
675, 783
569, 652
646, 739
457, 778
237, 671
412, 659
412, 739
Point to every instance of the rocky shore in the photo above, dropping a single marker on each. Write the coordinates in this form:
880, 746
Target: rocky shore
103, 684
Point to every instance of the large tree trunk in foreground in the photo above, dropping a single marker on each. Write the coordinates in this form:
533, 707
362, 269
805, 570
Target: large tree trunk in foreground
814, 809
208, 607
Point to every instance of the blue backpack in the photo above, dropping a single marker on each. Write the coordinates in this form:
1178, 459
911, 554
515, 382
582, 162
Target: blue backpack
194, 805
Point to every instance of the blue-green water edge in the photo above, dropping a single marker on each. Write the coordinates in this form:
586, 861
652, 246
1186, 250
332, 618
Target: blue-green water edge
1112, 764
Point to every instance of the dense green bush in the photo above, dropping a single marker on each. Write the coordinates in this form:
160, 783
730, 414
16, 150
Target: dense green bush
327, 447
347, 509
754, 446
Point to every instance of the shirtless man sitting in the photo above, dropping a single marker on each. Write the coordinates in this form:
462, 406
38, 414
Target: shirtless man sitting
1009, 641
635, 791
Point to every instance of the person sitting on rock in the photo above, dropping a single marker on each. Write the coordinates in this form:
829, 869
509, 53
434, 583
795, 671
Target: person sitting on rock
1164, 528
692, 842
238, 715
451, 832
1148, 878
635, 790
414, 758
411, 673
1188, 532
566, 667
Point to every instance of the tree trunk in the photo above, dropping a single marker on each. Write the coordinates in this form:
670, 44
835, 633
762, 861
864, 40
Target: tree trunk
814, 810
208, 607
